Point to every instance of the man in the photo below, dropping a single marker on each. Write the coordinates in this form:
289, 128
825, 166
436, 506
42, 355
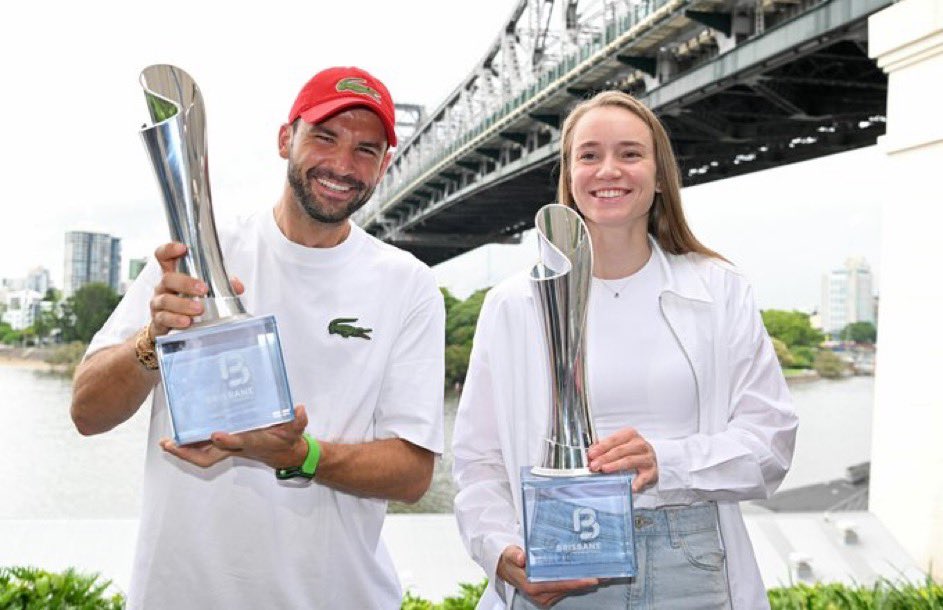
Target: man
218, 529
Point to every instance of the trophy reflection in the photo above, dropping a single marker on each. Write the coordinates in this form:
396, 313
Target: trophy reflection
576, 524
226, 372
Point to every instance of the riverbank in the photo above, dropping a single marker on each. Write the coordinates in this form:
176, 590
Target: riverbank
24, 363
35, 358
800, 375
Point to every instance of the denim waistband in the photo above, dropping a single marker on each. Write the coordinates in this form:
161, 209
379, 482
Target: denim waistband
675, 520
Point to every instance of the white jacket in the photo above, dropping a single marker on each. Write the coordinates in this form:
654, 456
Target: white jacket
747, 424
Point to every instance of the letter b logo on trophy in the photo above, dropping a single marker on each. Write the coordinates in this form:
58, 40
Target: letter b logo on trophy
576, 524
226, 372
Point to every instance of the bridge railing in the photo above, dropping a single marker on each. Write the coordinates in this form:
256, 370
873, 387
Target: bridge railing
502, 97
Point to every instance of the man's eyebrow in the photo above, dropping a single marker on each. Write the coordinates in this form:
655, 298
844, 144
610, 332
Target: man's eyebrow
322, 129
372, 144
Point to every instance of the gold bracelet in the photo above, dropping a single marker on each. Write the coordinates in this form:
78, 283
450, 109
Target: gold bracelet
144, 349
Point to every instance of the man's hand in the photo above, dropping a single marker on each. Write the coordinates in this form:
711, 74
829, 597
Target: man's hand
626, 449
511, 570
173, 305
279, 446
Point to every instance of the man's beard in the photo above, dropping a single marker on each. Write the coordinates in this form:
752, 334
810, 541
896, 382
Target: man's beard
309, 201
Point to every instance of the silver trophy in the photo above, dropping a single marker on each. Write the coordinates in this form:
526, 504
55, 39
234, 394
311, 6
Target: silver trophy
226, 372
561, 282
576, 524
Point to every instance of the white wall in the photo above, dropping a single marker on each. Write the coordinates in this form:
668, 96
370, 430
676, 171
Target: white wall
907, 455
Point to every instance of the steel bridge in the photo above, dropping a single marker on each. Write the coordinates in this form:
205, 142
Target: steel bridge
742, 85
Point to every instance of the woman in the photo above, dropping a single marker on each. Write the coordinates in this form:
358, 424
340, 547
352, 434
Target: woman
685, 387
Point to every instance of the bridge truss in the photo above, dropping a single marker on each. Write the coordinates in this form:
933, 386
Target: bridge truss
742, 85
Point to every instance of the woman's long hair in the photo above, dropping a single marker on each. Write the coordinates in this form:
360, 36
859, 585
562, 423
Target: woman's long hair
666, 221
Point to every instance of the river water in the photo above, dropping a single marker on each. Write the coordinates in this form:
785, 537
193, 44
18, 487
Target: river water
49, 471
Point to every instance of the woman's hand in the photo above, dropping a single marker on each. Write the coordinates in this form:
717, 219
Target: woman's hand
545, 594
625, 450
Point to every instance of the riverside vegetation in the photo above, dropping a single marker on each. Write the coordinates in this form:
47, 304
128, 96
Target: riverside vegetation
75, 320
797, 344
32, 589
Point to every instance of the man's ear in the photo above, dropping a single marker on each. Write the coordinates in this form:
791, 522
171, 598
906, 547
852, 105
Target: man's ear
284, 140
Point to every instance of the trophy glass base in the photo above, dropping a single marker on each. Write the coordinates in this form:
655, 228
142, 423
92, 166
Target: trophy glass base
578, 527
228, 377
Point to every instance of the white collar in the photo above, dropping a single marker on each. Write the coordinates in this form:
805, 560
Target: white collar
681, 275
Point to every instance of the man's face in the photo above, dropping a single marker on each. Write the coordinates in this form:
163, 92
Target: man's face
334, 166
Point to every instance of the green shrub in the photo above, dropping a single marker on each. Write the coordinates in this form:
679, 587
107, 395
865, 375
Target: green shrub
883, 595
466, 600
829, 364
34, 589
803, 357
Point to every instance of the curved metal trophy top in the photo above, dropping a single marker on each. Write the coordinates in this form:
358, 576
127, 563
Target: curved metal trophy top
561, 282
176, 145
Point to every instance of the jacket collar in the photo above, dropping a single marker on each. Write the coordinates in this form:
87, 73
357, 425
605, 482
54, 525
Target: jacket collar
681, 275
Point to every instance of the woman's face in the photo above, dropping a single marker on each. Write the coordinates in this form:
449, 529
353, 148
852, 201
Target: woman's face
612, 167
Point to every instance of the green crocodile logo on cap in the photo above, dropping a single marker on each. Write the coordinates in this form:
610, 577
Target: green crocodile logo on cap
342, 327
358, 86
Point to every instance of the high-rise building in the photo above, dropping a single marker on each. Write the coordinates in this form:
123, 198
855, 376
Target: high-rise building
39, 280
847, 296
91, 258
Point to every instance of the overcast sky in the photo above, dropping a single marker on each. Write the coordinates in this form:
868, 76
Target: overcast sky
72, 159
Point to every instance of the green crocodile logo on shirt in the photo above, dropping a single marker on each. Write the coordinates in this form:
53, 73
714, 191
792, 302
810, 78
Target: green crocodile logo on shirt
358, 86
342, 327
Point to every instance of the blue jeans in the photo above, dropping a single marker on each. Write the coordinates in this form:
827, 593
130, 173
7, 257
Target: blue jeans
681, 566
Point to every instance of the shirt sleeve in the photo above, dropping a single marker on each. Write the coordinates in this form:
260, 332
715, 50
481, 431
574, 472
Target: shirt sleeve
484, 505
411, 398
749, 459
131, 314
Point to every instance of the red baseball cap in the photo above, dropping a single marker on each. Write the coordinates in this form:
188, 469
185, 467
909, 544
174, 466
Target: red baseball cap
336, 89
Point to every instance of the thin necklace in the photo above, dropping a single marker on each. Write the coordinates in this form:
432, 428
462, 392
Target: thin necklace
615, 291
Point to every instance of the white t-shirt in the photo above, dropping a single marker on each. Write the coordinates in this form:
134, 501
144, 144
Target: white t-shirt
232, 536
637, 374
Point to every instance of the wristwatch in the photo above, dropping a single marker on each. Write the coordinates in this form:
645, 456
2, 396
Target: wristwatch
144, 349
308, 467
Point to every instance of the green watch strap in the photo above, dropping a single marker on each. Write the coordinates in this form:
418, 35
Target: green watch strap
308, 467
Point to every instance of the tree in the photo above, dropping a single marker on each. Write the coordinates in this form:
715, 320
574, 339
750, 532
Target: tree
456, 362
449, 298
461, 319
8, 335
86, 311
45, 323
785, 357
803, 356
791, 327
860, 332
52, 295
